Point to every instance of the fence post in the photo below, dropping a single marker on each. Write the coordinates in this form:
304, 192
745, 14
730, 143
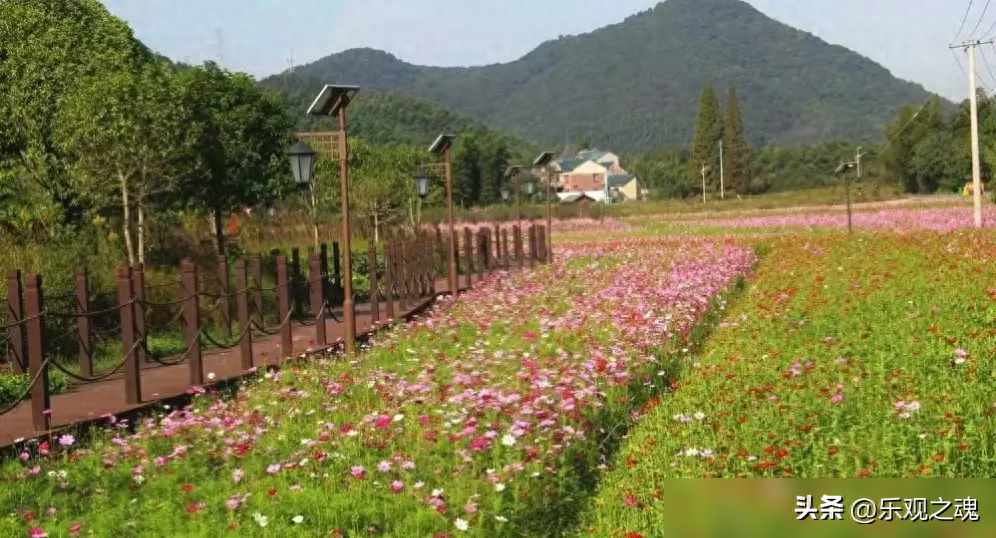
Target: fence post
482, 254
37, 369
126, 305
402, 275
468, 254
192, 321
440, 251
138, 289
242, 308
256, 269
84, 331
374, 285
517, 238
389, 278
504, 249
295, 280
284, 308
541, 243
317, 281
430, 265
224, 306
15, 332
532, 245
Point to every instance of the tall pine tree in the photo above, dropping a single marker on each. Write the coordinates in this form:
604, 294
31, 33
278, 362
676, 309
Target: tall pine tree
705, 142
736, 150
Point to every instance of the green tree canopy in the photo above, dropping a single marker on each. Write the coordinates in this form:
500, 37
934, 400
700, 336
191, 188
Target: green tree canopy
737, 152
708, 133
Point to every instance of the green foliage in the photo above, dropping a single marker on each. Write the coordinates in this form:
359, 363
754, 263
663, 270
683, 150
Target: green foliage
14, 386
737, 153
630, 86
240, 144
708, 133
48, 50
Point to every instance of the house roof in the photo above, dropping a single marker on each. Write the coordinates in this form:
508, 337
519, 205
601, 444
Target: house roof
619, 180
574, 196
593, 154
569, 164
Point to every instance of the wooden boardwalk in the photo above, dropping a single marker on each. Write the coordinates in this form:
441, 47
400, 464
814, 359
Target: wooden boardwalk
94, 402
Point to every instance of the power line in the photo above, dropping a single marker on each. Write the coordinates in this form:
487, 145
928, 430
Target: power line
958, 62
963, 19
989, 69
981, 17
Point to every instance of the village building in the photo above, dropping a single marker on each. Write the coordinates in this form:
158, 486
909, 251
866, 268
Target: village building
598, 175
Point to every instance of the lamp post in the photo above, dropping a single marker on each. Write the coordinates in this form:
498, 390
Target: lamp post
842, 169
302, 161
512, 173
422, 189
332, 101
441, 149
543, 161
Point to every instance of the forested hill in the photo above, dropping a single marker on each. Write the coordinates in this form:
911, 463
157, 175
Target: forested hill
634, 85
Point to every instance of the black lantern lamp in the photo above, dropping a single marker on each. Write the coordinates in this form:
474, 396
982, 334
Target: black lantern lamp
302, 161
422, 184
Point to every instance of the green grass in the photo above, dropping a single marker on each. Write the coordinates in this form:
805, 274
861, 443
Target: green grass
806, 375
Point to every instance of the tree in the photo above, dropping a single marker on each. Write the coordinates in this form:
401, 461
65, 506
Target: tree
467, 170
129, 139
911, 126
48, 48
381, 181
737, 152
494, 162
708, 133
242, 134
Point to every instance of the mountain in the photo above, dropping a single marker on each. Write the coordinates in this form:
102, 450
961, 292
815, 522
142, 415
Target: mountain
383, 117
634, 85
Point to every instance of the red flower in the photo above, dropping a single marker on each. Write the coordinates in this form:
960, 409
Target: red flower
632, 534
194, 507
631, 501
187, 488
75, 528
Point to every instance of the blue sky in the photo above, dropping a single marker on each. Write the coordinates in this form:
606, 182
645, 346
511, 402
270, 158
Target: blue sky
909, 37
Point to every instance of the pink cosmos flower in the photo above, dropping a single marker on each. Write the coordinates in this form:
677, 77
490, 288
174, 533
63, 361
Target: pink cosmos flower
358, 472
382, 422
384, 466
67, 440
237, 475
37, 532
273, 468
397, 486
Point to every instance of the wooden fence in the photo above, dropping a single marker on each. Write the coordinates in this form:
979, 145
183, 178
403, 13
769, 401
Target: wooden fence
206, 304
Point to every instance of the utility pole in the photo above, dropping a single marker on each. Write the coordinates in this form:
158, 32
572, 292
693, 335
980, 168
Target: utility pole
722, 188
969, 46
704, 170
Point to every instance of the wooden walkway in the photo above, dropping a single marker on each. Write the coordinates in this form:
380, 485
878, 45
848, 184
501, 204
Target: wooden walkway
94, 402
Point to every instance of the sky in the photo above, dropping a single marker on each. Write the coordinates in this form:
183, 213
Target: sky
263, 37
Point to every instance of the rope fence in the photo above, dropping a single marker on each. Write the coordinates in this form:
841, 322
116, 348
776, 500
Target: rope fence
401, 269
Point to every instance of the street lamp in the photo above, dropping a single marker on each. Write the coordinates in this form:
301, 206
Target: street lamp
332, 101
422, 185
841, 170
302, 161
543, 161
441, 149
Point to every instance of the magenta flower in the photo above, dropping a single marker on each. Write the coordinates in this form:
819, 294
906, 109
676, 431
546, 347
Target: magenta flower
397, 486
67, 440
358, 472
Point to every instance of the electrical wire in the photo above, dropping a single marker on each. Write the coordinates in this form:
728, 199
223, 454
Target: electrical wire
981, 17
963, 20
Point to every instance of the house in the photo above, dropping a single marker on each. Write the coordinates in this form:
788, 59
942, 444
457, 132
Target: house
596, 171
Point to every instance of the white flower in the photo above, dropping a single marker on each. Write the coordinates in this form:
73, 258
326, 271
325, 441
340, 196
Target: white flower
260, 519
211, 376
398, 418
508, 440
297, 520
501, 519
699, 415
499, 487
438, 492
461, 524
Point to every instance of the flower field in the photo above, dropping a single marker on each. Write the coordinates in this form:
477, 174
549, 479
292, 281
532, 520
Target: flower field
941, 219
492, 415
869, 356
